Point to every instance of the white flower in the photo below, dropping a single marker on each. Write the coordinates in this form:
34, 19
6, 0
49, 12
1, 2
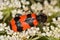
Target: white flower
19, 11
37, 29
24, 34
5, 37
17, 38
59, 31
54, 19
13, 38
48, 34
2, 29
15, 3
27, 2
24, 2
2, 37
56, 28
32, 31
8, 37
43, 34
9, 32
47, 24
36, 7
1, 15
1, 24
45, 2
18, 5
10, 5
25, 8
47, 28
4, 24
58, 25
58, 18
27, 35
7, 3
53, 2
32, 28
44, 28
1, 7
52, 27
56, 9
57, 35
49, 14
39, 6
14, 33
14, 13
33, 6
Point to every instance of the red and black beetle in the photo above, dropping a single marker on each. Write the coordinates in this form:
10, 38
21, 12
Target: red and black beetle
23, 22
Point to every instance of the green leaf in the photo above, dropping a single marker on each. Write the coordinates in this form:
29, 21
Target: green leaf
7, 13
43, 38
52, 38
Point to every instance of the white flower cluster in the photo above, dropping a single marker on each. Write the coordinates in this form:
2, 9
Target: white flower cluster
37, 7
50, 8
11, 35
57, 22
2, 26
52, 30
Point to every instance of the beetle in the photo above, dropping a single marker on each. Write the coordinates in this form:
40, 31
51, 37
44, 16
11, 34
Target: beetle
24, 22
